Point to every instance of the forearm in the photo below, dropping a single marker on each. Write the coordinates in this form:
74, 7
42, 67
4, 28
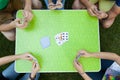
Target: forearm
59, 0
7, 27
28, 4
86, 3
106, 55
85, 76
8, 59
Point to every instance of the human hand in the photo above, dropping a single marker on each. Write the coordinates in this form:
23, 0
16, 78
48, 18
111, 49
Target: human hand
35, 69
78, 66
83, 53
28, 15
102, 15
26, 56
93, 11
18, 23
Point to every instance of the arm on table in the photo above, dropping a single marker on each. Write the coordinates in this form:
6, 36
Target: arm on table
102, 55
8, 59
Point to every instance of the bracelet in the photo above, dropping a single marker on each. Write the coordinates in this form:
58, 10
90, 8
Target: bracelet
31, 77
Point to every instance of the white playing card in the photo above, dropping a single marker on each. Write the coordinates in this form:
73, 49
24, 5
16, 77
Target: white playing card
61, 38
34, 59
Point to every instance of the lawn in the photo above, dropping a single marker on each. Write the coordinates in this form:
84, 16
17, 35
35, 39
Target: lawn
109, 39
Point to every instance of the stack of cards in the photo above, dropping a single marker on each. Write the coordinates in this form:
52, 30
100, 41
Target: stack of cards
61, 38
34, 59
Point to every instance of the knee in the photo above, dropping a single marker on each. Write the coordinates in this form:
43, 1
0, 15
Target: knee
11, 38
37, 4
106, 26
75, 7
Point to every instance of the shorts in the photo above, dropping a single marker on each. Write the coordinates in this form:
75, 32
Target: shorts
54, 1
118, 3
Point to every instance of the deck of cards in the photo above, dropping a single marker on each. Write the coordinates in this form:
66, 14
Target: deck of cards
61, 38
34, 59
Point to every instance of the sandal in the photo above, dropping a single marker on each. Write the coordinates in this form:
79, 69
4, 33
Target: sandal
59, 5
51, 6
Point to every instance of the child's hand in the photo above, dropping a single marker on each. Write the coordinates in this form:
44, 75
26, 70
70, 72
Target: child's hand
59, 4
26, 56
35, 69
84, 53
78, 66
93, 11
28, 15
17, 23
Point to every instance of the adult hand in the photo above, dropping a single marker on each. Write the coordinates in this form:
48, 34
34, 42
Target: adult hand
20, 23
28, 15
35, 69
26, 56
78, 66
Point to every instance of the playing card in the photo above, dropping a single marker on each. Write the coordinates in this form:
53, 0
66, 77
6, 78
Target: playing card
61, 38
78, 57
34, 59
45, 42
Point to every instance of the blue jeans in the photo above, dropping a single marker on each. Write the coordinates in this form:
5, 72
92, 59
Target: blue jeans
99, 75
54, 1
10, 74
118, 3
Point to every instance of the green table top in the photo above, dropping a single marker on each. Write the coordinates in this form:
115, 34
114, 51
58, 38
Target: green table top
83, 34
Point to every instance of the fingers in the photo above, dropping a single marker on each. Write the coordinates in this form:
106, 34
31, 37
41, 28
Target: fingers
20, 23
27, 15
81, 52
36, 66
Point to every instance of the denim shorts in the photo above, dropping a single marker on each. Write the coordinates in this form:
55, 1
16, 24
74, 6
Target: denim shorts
54, 1
118, 3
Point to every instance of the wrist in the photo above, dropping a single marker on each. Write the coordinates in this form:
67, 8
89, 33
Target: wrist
12, 24
87, 3
31, 77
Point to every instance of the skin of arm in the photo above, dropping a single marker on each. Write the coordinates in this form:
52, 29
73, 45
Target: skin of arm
28, 17
93, 10
6, 27
102, 55
86, 3
80, 70
27, 13
108, 56
28, 4
8, 59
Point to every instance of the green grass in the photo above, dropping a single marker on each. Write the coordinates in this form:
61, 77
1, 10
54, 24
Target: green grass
109, 38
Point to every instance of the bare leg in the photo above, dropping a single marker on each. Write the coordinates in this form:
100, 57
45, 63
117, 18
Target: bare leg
59, 4
36, 4
51, 5
78, 5
115, 10
10, 35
